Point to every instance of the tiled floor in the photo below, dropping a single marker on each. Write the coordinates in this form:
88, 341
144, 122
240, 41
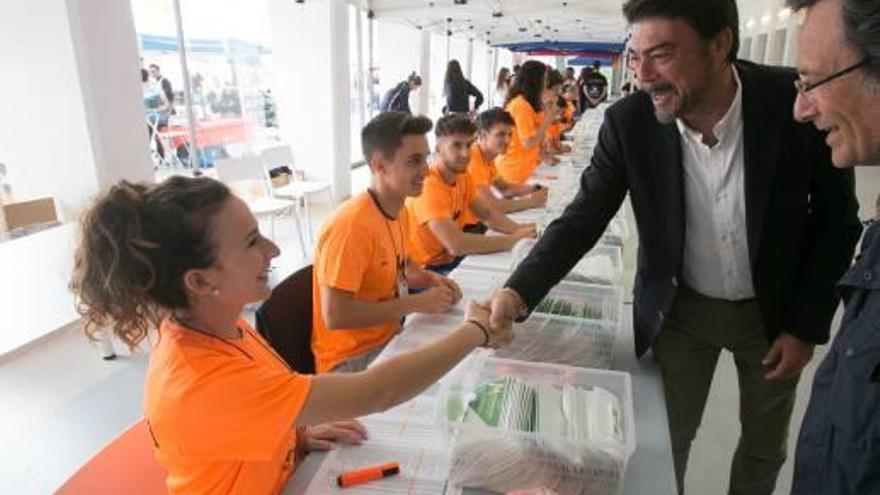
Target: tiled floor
61, 402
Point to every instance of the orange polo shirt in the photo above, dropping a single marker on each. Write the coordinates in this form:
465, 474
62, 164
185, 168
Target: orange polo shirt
222, 412
438, 200
482, 174
362, 252
517, 164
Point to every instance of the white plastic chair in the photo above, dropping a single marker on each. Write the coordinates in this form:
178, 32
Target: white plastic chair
282, 155
247, 177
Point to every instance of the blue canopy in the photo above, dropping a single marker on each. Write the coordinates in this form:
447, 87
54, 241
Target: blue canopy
582, 61
566, 47
156, 43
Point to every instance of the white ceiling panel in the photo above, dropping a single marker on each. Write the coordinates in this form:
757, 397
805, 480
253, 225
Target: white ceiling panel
504, 21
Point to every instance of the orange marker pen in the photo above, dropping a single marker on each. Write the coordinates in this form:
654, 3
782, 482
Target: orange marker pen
363, 475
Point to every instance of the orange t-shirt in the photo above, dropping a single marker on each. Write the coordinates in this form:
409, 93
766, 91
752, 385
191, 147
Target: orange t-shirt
362, 252
554, 132
222, 412
517, 164
438, 200
482, 174
569, 115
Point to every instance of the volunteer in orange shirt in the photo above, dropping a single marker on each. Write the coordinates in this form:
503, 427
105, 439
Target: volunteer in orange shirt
225, 413
525, 103
494, 128
437, 217
551, 99
362, 271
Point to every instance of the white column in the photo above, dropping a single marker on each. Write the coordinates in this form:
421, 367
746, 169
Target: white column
425, 71
312, 87
106, 45
371, 25
791, 43
340, 98
73, 121
469, 70
493, 74
759, 46
362, 74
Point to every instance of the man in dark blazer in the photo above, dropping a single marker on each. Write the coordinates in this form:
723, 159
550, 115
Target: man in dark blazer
744, 226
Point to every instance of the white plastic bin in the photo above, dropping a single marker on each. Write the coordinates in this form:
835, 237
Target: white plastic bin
500, 459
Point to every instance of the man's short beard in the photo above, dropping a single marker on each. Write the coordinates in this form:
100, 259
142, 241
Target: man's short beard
663, 117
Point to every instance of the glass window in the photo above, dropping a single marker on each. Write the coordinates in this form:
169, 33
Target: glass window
229, 62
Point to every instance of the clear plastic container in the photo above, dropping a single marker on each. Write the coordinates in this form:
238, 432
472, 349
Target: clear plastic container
583, 301
603, 265
561, 340
499, 261
418, 330
477, 283
586, 457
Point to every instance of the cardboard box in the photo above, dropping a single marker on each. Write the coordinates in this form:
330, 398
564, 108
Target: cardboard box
26, 213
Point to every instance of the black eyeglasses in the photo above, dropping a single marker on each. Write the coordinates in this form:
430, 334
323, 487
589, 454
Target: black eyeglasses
803, 88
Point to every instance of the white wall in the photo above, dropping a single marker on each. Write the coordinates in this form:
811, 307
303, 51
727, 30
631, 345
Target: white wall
768, 31
43, 135
310, 53
396, 54
72, 124
72, 99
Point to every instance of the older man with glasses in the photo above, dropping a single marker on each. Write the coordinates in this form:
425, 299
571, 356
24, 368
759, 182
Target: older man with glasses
744, 227
838, 450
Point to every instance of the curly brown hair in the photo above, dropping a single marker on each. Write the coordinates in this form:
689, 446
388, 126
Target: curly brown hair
137, 241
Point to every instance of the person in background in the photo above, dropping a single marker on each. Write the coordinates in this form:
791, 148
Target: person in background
437, 217
569, 77
156, 110
457, 91
581, 88
569, 113
551, 99
838, 450
164, 84
502, 83
396, 99
362, 269
525, 105
175, 263
516, 69
494, 129
744, 226
595, 86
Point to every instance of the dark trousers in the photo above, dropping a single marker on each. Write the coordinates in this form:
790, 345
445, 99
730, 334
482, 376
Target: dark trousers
687, 348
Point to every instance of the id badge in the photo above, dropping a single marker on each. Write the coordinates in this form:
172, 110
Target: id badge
402, 287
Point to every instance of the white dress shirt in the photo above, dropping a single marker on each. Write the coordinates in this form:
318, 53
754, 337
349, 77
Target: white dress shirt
716, 248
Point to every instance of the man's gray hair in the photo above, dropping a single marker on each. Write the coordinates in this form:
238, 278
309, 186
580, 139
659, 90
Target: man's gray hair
861, 21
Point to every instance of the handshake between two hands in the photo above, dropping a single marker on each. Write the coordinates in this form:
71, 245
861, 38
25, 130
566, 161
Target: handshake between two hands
497, 315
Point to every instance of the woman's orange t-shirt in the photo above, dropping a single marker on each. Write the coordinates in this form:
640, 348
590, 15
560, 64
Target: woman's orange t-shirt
222, 412
518, 163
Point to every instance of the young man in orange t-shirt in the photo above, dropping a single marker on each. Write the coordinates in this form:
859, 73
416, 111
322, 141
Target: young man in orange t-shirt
437, 217
494, 131
362, 268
